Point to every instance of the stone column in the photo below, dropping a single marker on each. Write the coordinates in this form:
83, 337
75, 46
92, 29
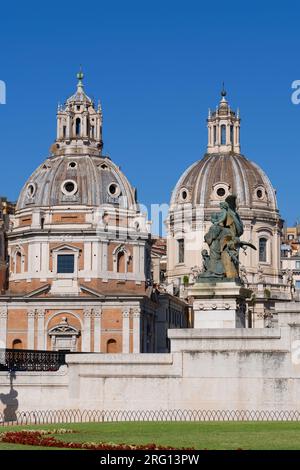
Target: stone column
87, 258
136, 329
125, 331
30, 328
69, 130
3, 326
97, 329
228, 134
44, 261
86, 337
58, 133
104, 262
40, 328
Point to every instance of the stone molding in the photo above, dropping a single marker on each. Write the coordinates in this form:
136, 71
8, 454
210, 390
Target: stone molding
136, 312
126, 312
98, 312
31, 313
3, 312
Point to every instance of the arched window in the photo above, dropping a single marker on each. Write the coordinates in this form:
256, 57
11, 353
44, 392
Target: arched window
111, 346
78, 126
17, 344
121, 262
263, 242
223, 134
19, 262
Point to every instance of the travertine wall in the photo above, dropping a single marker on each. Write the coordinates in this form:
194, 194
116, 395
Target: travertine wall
207, 369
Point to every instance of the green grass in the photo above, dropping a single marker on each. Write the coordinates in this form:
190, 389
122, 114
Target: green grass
210, 435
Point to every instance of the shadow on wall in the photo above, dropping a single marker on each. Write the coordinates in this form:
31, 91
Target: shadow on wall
10, 400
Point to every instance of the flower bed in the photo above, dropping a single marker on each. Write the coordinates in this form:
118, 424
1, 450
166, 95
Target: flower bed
44, 438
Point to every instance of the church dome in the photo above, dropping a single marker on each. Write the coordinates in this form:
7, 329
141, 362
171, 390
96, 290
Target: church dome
224, 170
76, 180
210, 180
76, 173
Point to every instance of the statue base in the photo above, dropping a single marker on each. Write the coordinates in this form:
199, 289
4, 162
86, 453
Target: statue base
219, 304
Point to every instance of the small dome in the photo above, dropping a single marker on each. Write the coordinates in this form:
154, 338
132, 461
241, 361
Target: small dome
210, 180
77, 180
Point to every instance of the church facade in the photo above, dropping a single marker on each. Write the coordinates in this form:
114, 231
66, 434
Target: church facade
79, 252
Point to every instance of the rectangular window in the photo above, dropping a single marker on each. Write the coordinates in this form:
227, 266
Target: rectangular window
181, 250
231, 135
263, 250
65, 264
297, 264
223, 134
297, 285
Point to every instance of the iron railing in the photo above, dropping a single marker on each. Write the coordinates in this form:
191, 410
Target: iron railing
29, 360
10, 416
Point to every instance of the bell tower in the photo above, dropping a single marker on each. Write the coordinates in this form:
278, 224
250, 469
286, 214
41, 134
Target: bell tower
223, 128
79, 124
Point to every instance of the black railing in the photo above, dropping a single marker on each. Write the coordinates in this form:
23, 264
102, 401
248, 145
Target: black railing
28, 360
99, 416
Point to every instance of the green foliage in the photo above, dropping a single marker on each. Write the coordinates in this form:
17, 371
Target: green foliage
267, 293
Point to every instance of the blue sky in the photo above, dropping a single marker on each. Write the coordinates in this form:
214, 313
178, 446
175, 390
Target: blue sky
156, 66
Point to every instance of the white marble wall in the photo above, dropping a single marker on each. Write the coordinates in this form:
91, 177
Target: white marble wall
207, 369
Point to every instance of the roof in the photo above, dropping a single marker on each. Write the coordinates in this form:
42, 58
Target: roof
209, 181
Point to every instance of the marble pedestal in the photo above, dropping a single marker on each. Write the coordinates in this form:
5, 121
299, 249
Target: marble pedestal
219, 304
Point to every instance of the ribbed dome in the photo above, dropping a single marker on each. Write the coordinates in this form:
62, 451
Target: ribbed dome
210, 180
76, 180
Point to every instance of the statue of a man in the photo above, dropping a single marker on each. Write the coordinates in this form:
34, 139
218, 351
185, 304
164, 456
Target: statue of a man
212, 264
223, 239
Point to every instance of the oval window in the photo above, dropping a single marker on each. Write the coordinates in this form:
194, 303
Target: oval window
184, 194
114, 189
259, 194
31, 190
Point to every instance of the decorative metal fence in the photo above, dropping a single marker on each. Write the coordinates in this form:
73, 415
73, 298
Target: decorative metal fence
100, 416
19, 360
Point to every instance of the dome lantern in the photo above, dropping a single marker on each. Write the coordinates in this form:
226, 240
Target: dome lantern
223, 128
79, 123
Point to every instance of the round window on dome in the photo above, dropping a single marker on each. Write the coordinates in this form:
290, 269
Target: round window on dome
72, 165
31, 188
114, 189
259, 193
221, 192
184, 194
69, 187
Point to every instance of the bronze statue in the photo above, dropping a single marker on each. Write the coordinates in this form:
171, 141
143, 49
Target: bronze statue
223, 239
